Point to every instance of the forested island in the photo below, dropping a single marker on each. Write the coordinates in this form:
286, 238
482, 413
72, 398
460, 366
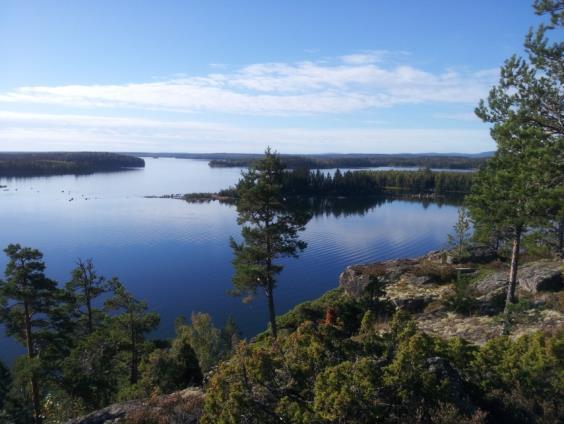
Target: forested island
421, 184
62, 163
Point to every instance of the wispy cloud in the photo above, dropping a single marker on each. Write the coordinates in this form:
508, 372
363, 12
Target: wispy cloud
364, 58
355, 82
33, 131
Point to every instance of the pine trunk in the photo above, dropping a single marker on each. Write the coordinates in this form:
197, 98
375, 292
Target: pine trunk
512, 283
31, 355
134, 374
561, 237
89, 311
271, 312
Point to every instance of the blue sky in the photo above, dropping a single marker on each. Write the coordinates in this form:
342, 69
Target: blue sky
216, 76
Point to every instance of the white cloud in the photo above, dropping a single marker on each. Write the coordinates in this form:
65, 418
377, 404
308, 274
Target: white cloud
32, 131
364, 58
352, 83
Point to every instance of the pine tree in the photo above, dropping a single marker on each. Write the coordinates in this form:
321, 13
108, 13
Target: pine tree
85, 286
523, 184
269, 230
132, 323
26, 298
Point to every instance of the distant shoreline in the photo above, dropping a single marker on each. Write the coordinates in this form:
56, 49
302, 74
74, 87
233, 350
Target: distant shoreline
14, 165
450, 161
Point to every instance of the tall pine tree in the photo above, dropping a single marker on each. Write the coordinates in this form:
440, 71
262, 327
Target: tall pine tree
270, 230
26, 298
522, 185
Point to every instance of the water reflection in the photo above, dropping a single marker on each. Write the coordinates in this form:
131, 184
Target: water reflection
347, 206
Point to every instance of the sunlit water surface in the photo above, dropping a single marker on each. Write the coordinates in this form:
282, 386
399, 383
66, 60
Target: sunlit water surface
176, 255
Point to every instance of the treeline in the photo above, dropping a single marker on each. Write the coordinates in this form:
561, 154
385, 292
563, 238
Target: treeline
86, 343
61, 163
424, 182
354, 183
361, 161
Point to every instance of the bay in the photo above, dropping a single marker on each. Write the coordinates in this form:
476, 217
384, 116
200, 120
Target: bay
176, 256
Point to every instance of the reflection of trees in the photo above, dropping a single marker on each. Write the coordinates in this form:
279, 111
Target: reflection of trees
309, 207
341, 206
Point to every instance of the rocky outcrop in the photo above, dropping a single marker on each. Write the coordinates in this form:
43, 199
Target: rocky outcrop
426, 286
181, 407
481, 328
409, 294
534, 277
356, 278
541, 276
409, 284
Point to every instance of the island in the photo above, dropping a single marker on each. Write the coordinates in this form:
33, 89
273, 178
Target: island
36, 164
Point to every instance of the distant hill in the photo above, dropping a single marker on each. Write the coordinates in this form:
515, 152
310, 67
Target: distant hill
61, 163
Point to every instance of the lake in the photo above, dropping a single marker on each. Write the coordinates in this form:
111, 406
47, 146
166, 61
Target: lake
176, 256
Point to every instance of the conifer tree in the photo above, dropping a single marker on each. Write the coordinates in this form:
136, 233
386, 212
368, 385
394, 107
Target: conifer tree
523, 184
269, 230
132, 323
85, 286
26, 297
461, 230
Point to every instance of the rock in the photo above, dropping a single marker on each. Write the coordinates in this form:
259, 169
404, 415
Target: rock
414, 298
490, 293
494, 282
418, 279
541, 276
354, 281
479, 329
180, 407
356, 278
475, 329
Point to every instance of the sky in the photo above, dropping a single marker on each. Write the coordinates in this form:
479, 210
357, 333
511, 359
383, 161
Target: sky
302, 76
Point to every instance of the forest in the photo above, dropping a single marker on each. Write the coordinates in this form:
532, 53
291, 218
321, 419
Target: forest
302, 182
362, 161
357, 183
61, 163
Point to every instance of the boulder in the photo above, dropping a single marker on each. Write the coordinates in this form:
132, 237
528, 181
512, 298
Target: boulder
355, 278
354, 281
541, 276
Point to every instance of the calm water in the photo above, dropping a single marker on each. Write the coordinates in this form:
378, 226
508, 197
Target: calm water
176, 255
